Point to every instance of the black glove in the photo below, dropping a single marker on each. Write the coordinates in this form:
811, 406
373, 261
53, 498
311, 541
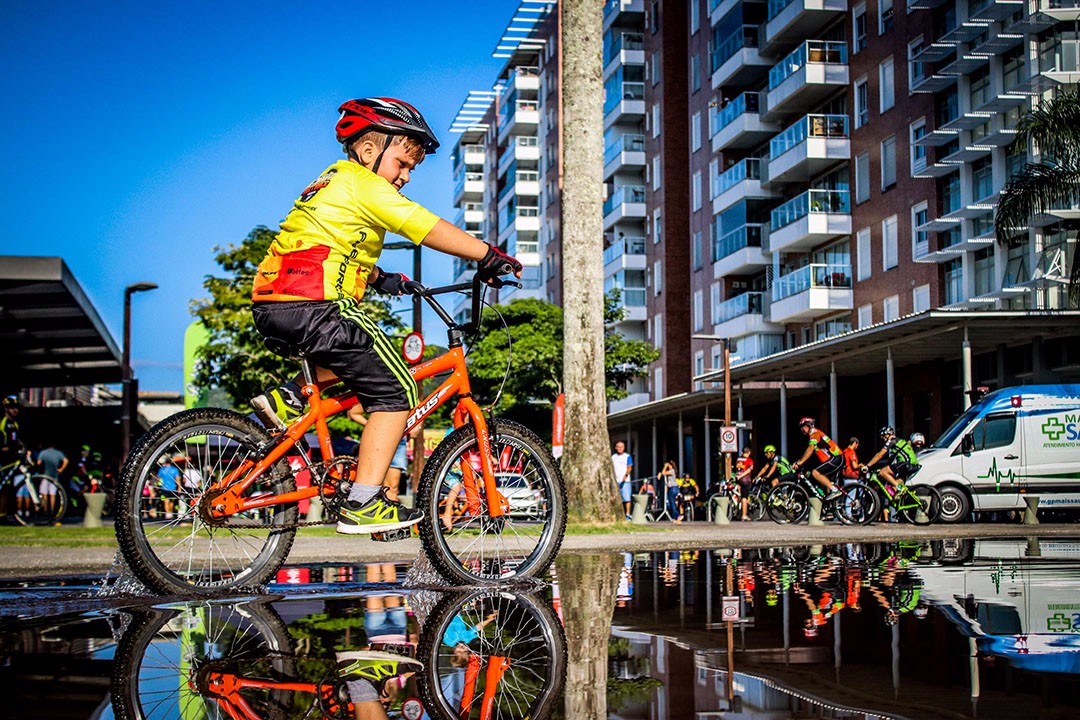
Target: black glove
388, 283
496, 263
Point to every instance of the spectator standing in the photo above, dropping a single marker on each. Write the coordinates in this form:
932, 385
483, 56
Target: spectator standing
851, 460
744, 475
168, 485
668, 479
51, 462
623, 464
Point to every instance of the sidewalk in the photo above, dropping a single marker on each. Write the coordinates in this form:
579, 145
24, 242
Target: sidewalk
18, 561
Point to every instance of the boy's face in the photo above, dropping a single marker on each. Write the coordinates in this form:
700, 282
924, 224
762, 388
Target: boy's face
395, 166
620, 448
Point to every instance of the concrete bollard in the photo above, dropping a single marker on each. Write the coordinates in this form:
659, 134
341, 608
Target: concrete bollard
1031, 511
1034, 549
815, 512
637, 512
723, 507
315, 509
95, 504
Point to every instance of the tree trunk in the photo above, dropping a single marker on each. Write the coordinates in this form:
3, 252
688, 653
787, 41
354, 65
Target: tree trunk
587, 586
590, 478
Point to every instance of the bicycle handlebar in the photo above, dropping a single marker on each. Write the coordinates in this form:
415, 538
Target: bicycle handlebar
477, 286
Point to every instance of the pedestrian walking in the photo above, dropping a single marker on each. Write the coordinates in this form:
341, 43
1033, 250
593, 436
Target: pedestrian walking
623, 464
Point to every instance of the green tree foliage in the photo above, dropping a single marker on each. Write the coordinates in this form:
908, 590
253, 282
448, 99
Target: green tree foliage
535, 356
234, 357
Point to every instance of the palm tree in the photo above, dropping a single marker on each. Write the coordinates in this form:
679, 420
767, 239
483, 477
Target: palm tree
1054, 128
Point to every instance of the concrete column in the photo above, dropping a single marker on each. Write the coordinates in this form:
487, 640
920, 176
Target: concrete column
965, 369
739, 417
708, 454
834, 411
890, 388
783, 418
682, 460
655, 469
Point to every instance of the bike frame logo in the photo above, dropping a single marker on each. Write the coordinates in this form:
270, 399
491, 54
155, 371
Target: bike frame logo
1055, 430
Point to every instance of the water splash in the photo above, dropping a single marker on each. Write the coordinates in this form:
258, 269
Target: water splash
118, 582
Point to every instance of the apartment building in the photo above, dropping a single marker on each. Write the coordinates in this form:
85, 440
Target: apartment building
816, 180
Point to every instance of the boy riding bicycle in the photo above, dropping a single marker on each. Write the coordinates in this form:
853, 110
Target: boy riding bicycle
308, 287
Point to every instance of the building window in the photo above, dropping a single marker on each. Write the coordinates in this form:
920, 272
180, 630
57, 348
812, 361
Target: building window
918, 152
885, 16
695, 250
920, 299
658, 383
714, 171
888, 162
890, 308
916, 70
654, 68
862, 103
887, 84
862, 177
655, 129
695, 192
832, 327
658, 226
866, 316
699, 311
889, 250
695, 16
920, 240
862, 252
695, 132
655, 172
858, 21
984, 271
658, 278
695, 73
954, 281
982, 178
716, 357
699, 367
657, 332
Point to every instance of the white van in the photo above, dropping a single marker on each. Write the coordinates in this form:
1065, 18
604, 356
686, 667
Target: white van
1014, 441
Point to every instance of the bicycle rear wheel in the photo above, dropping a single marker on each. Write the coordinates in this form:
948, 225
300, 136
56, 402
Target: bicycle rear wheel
787, 503
924, 498
479, 548
858, 506
165, 539
51, 500
523, 630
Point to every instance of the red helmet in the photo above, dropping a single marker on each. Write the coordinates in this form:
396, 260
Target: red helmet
806, 421
386, 115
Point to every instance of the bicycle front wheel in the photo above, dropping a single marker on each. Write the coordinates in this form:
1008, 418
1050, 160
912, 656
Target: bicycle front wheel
919, 505
787, 503
859, 504
469, 545
39, 500
165, 539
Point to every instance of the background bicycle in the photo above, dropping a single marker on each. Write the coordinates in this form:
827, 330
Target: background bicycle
32, 499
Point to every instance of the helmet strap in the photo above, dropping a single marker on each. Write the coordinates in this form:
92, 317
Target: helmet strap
378, 159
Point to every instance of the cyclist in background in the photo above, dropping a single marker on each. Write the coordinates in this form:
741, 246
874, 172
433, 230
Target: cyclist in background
901, 463
775, 468
688, 493
827, 452
851, 460
11, 442
918, 441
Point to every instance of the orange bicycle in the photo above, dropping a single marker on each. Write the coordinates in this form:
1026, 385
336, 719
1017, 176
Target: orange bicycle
234, 510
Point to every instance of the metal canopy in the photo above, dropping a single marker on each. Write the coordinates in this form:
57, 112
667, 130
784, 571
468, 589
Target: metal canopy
50, 332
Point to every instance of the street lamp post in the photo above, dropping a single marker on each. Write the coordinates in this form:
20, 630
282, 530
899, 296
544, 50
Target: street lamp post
128, 396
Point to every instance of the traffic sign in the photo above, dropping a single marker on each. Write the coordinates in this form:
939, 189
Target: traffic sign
728, 439
412, 709
413, 348
730, 608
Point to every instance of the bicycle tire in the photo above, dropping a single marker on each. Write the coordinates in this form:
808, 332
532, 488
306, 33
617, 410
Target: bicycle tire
36, 513
182, 554
787, 503
475, 550
859, 506
525, 630
927, 496
160, 658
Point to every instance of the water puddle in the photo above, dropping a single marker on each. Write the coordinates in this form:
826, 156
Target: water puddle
934, 629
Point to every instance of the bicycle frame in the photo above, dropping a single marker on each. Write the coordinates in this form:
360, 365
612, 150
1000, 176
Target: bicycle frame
897, 499
10, 472
225, 690
497, 666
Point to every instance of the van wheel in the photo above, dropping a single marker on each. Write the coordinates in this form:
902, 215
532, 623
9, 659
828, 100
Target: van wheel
955, 504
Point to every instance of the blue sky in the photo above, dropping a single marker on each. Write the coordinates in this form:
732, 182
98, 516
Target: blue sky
138, 136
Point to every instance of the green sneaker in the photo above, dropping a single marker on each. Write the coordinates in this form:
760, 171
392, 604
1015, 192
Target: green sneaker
277, 407
374, 666
375, 516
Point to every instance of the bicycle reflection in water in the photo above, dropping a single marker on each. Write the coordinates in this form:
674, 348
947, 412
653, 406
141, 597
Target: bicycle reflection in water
483, 654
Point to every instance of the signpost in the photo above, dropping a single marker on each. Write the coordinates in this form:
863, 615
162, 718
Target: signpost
728, 439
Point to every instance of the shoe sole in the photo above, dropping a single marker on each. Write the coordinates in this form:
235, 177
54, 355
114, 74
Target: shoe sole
266, 414
350, 529
353, 655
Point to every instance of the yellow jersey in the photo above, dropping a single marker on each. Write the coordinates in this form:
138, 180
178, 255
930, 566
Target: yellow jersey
333, 236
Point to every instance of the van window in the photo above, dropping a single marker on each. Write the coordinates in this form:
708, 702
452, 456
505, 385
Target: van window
995, 431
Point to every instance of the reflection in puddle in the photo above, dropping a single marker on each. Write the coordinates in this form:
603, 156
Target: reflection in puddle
963, 629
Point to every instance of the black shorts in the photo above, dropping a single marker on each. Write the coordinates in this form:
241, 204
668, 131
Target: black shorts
903, 470
338, 336
831, 467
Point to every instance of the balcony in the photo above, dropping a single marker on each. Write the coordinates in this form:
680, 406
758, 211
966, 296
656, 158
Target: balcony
739, 251
626, 203
994, 10
806, 76
739, 126
808, 148
519, 219
526, 80
741, 181
629, 11
468, 156
626, 253
521, 183
736, 59
518, 117
630, 401
622, 48
811, 291
623, 102
1060, 10
742, 315
810, 219
471, 214
631, 303
791, 21
626, 153
759, 345
523, 149
469, 186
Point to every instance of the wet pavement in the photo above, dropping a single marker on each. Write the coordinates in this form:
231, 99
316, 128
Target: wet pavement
921, 628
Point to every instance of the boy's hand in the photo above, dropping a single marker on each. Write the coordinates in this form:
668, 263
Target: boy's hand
394, 284
495, 264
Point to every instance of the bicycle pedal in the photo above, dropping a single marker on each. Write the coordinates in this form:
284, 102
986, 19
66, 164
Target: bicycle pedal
392, 535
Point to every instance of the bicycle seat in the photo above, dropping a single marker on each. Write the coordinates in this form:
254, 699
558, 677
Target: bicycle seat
281, 347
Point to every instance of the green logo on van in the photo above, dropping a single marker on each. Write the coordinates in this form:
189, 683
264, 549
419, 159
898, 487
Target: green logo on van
1053, 428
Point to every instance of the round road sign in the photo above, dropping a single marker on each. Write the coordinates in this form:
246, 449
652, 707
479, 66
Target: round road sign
413, 348
412, 709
